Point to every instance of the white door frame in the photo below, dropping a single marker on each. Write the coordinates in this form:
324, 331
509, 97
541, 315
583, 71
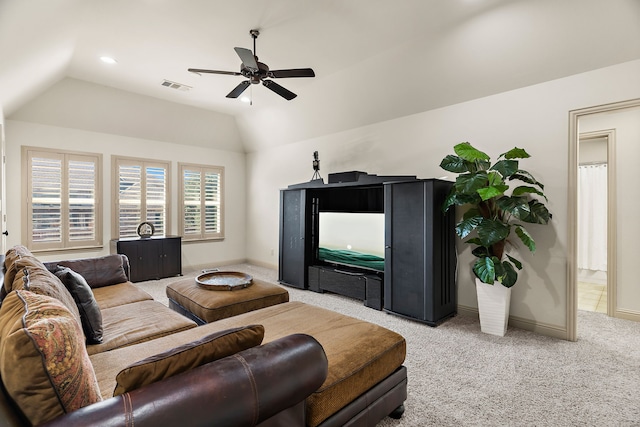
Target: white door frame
612, 268
572, 255
3, 193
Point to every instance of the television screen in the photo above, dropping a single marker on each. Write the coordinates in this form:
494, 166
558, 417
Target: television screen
359, 232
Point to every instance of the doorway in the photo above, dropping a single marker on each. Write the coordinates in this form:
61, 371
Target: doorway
593, 204
623, 119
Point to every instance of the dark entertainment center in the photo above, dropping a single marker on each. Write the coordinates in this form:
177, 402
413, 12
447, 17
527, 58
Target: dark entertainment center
418, 280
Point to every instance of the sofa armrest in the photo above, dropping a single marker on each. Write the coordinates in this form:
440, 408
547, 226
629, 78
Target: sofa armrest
239, 390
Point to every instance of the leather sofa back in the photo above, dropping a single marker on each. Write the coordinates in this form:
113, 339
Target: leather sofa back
98, 272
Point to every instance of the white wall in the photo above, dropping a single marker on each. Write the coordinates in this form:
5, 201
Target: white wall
231, 249
627, 126
534, 117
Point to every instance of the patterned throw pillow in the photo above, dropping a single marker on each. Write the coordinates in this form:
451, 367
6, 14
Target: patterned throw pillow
188, 356
46, 369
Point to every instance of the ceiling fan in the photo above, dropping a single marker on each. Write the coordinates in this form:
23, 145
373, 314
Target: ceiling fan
257, 72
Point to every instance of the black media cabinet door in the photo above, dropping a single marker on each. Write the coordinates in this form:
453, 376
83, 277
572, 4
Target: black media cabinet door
293, 262
152, 258
420, 258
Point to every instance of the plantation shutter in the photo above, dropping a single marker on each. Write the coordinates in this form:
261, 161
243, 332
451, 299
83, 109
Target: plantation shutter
129, 200
156, 198
212, 202
202, 202
62, 200
46, 200
191, 204
82, 196
143, 189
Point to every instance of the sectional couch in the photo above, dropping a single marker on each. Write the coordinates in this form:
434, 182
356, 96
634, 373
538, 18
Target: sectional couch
80, 345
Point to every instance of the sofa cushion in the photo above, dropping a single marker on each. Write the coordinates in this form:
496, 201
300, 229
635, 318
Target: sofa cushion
360, 353
99, 271
137, 322
44, 366
120, 294
90, 315
187, 356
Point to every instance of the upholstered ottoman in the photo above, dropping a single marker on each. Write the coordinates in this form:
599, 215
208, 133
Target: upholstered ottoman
206, 306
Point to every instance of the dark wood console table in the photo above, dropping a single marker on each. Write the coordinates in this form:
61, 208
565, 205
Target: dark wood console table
151, 258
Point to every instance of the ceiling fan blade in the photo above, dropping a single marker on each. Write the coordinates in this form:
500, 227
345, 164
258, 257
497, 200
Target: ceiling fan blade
239, 89
285, 93
248, 60
296, 72
200, 71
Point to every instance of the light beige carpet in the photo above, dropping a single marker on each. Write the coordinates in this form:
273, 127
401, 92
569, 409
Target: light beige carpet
459, 376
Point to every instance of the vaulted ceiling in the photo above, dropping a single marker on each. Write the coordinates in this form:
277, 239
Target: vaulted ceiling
374, 60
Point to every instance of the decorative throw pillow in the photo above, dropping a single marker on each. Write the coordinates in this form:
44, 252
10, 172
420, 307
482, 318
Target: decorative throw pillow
45, 369
188, 356
41, 281
14, 254
90, 314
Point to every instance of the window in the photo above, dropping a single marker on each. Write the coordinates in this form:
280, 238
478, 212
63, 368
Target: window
142, 195
63, 199
201, 202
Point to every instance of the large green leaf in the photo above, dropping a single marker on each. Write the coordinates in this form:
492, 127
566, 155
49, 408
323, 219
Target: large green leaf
495, 178
509, 275
538, 213
469, 153
456, 199
515, 262
515, 153
525, 189
526, 238
491, 231
474, 241
480, 251
506, 167
484, 270
487, 193
469, 183
525, 176
455, 164
517, 206
467, 225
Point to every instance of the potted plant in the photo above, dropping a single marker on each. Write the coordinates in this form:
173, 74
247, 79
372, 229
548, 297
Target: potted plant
493, 217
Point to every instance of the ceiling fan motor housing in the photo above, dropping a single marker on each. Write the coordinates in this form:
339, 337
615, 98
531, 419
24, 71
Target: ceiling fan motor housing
263, 71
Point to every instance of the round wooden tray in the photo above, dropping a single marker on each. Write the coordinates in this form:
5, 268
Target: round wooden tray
224, 280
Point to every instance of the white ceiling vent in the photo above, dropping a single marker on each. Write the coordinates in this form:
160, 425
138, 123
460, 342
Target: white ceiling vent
174, 85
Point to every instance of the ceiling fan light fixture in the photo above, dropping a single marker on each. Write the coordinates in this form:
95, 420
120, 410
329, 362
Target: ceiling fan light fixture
257, 72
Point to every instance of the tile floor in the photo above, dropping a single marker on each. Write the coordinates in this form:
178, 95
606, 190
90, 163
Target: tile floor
592, 297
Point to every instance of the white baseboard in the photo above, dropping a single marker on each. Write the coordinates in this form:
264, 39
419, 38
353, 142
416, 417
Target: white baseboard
526, 324
262, 264
622, 313
214, 264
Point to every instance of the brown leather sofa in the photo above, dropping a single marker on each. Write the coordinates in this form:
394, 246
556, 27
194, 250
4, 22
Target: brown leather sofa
254, 386
315, 367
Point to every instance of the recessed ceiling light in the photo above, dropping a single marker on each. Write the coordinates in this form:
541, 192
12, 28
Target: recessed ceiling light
108, 60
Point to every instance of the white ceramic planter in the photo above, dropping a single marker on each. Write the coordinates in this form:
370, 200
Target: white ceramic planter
493, 306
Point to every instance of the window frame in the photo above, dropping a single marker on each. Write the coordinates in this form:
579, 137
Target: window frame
28, 153
203, 236
116, 161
